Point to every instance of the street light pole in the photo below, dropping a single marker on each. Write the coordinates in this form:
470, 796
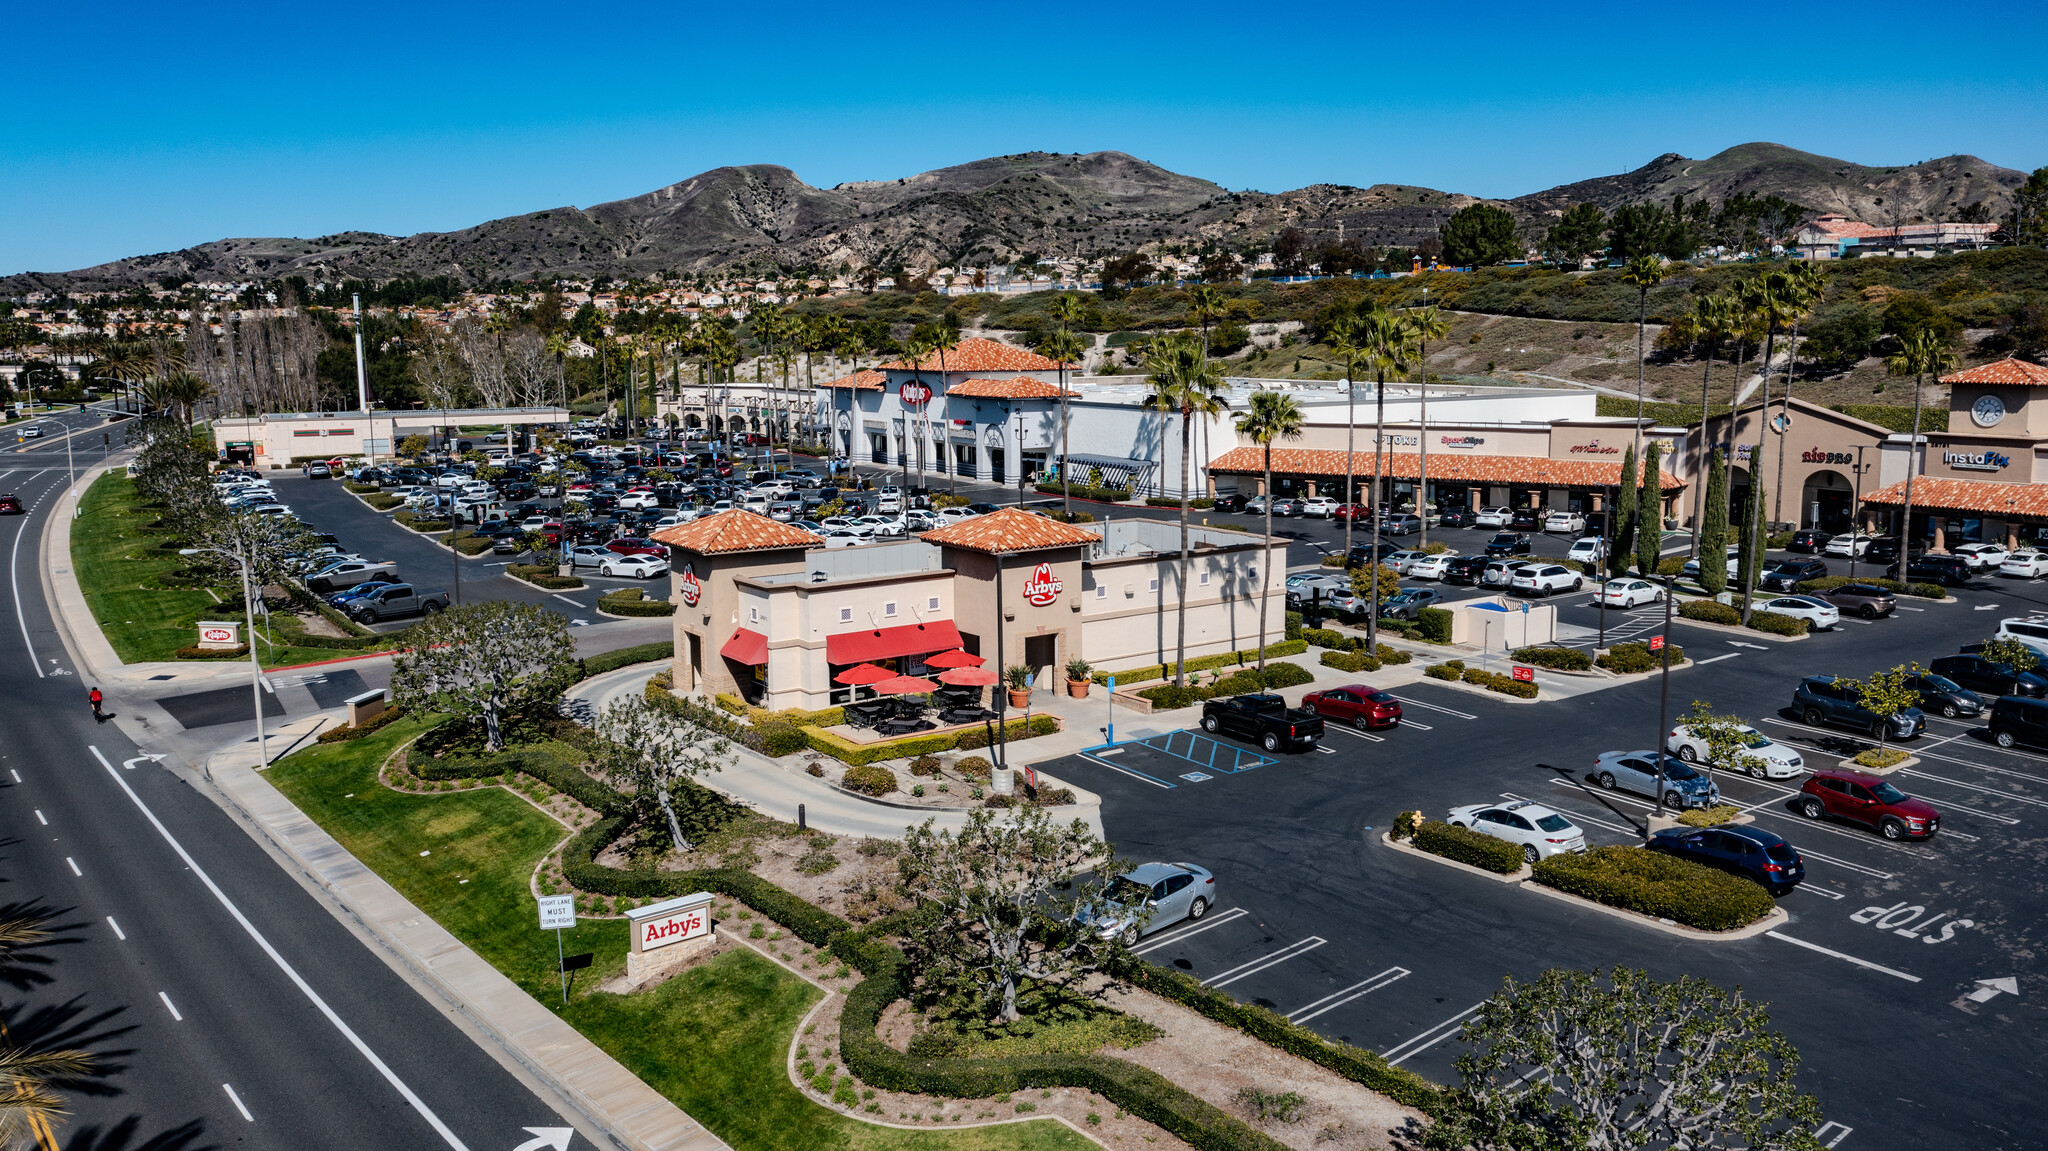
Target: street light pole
1855, 511
1663, 697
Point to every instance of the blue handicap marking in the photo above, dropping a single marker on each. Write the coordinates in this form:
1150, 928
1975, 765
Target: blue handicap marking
1205, 752
1194, 776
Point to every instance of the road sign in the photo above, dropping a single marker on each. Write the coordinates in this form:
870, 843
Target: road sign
1656, 643
1525, 674
557, 912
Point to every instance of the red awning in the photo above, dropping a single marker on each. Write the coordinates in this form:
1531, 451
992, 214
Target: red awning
748, 647
891, 642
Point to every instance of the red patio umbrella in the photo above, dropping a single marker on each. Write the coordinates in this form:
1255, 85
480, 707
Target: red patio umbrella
905, 685
970, 677
956, 658
862, 674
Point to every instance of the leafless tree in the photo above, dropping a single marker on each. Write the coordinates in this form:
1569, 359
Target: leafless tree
652, 751
485, 661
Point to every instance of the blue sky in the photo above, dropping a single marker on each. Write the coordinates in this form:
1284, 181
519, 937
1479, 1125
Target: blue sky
143, 128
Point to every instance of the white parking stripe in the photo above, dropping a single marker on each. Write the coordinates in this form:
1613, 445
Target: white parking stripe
1167, 941
1576, 814
1271, 959
1818, 891
1397, 1055
1357, 734
1872, 872
1121, 771
1358, 990
2016, 798
1406, 702
1843, 955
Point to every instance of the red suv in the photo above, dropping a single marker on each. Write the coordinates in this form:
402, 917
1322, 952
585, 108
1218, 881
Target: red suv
10, 506
1868, 800
1356, 704
631, 546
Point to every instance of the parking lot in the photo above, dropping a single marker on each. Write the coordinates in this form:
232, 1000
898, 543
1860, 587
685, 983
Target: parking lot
1888, 975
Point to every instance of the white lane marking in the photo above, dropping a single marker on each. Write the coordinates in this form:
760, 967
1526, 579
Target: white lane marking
74, 867
1395, 1056
1123, 771
165, 996
118, 933
2015, 797
1872, 872
15, 774
237, 1100
14, 581
1715, 659
1843, 955
1357, 734
1416, 726
1818, 891
1433, 707
1628, 831
1326, 750
40, 819
1821, 1133
1233, 914
1270, 959
305, 988
1358, 990
567, 600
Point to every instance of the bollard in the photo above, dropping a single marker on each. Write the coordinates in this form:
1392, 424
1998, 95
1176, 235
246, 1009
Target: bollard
800, 817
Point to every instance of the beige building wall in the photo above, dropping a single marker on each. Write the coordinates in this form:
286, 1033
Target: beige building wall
701, 631
982, 610
1131, 607
799, 619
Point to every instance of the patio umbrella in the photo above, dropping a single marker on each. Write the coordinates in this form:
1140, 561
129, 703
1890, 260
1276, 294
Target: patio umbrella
955, 658
970, 677
862, 674
905, 685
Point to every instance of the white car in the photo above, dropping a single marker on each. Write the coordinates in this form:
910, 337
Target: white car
590, 556
1761, 756
2025, 563
1321, 507
1588, 550
1430, 567
1819, 614
1569, 523
1546, 579
841, 538
1539, 831
1981, 556
878, 526
1851, 545
1627, 593
1501, 573
1493, 518
1301, 586
947, 516
33, 431
635, 567
639, 501
534, 523
1402, 561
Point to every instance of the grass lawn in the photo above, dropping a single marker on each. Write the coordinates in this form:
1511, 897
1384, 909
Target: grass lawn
713, 1039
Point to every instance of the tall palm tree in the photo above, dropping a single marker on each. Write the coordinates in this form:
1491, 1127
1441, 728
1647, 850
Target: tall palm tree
1065, 348
1809, 284
1770, 301
1205, 305
1427, 323
917, 348
1273, 416
1182, 375
1713, 319
1643, 273
945, 338
1921, 354
1378, 341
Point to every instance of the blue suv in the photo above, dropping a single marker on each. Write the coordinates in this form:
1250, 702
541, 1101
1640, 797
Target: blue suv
1754, 854
1825, 699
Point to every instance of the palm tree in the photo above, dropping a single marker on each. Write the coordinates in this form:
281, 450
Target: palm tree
1378, 341
944, 338
27, 1106
1183, 377
1809, 284
1065, 347
917, 348
1643, 273
1769, 300
1713, 320
1205, 304
1428, 324
1920, 354
1273, 416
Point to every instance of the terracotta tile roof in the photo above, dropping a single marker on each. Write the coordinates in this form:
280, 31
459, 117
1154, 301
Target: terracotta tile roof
734, 530
1010, 530
1020, 388
2005, 371
976, 354
1981, 496
1406, 466
865, 380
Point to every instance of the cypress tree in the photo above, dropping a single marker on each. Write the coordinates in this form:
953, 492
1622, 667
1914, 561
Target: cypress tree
1650, 512
1752, 559
1714, 528
1624, 514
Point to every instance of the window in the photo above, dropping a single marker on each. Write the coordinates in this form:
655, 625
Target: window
1153, 584
1101, 591
753, 614
1204, 579
889, 608
932, 603
846, 615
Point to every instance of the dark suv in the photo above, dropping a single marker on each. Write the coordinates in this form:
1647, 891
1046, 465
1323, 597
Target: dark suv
1868, 800
1944, 696
1508, 544
1786, 574
1980, 674
1465, 570
1751, 852
2015, 720
1824, 699
1807, 540
1948, 571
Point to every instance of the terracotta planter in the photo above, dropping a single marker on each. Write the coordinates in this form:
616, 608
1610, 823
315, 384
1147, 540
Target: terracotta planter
1078, 688
1020, 697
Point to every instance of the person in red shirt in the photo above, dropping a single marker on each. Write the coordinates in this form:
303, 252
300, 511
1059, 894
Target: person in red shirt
96, 698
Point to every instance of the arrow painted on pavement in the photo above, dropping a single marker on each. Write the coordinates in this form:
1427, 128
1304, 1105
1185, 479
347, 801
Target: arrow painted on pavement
151, 756
554, 1138
1739, 643
1987, 989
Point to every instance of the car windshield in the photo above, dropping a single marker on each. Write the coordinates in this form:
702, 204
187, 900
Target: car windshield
1939, 683
1379, 697
1781, 852
1755, 739
1504, 538
1886, 793
1554, 823
1676, 769
1124, 890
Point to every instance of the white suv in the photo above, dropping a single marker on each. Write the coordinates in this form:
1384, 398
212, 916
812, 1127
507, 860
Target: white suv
1568, 523
1321, 507
1546, 579
1589, 549
1493, 518
1981, 556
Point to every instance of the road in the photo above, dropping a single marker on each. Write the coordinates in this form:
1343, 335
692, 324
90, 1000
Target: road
229, 1004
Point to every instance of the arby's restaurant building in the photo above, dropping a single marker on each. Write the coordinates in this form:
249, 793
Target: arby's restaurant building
766, 612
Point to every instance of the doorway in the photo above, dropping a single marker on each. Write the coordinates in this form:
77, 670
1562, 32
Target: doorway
1040, 652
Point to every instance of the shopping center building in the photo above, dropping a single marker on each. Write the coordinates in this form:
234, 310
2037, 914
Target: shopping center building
1984, 479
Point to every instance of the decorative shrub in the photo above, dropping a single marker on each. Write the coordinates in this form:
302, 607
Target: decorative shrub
542, 576
1433, 625
1393, 655
1445, 671
1710, 611
1656, 884
628, 656
1085, 492
974, 767
369, 726
1880, 757
1350, 661
1636, 658
780, 737
1405, 825
633, 601
381, 502
1293, 645
1168, 697
1556, 658
1777, 623
1468, 846
1713, 816
194, 651
869, 780
925, 765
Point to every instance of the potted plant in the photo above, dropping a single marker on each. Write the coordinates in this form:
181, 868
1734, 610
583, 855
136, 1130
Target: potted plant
1077, 677
1018, 677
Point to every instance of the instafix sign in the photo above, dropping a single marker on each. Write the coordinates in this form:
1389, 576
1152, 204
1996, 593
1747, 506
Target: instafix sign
689, 587
1463, 441
1595, 448
671, 921
1043, 587
914, 393
1984, 461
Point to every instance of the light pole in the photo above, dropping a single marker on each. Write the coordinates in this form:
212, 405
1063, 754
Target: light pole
249, 624
1855, 513
1663, 698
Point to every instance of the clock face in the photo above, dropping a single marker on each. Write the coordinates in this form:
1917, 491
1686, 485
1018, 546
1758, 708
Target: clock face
1988, 410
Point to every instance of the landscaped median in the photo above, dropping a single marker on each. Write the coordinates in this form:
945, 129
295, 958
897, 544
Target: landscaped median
1713, 613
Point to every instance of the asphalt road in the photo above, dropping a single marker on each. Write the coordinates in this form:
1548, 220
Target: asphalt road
1869, 977
230, 1006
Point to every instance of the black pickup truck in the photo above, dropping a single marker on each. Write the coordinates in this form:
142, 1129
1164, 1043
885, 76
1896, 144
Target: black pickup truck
1264, 718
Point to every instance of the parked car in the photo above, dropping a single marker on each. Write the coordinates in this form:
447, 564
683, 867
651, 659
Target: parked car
1285, 506
1525, 519
2025, 564
1981, 556
1501, 573
1993, 679
1361, 554
1787, 574
1570, 523
1869, 800
634, 566
1824, 699
2033, 633
1882, 551
398, 599
1808, 540
1769, 758
1149, 897
1587, 550
1301, 584
1866, 600
1363, 707
1757, 855
1494, 517
589, 556
1458, 518
1318, 506
1539, 831
342, 599
1352, 513
1508, 544
1732, 564
1948, 571
1849, 545
1628, 592
1409, 602
1430, 567
1400, 525
1401, 561
1637, 771
1944, 696
1464, 569
635, 546
1819, 614
1265, 718
348, 573
1546, 580
2015, 720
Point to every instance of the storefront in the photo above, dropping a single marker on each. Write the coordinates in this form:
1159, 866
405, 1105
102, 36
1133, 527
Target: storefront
1814, 463
1985, 479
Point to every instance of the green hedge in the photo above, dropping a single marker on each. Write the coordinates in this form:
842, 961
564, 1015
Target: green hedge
633, 601
1504, 684
1653, 883
344, 734
627, 657
1636, 658
1777, 623
467, 543
359, 489
1167, 697
1710, 611
1201, 503
1351, 661
1433, 625
1558, 658
1084, 492
1468, 846
868, 779
855, 754
1450, 669
1286, 647
1830, 583
382, 502
543, 576
1294, 625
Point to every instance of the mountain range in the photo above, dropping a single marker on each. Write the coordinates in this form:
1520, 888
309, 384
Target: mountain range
761, 216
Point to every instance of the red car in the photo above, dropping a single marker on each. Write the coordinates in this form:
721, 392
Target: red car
1868, 800
10, 506
633, 546
551, 531
1360, 706
1353, 512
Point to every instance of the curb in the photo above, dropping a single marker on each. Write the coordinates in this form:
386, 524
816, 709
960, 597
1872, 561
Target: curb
1909, 761
1516, 876
1777, 918
1739, 630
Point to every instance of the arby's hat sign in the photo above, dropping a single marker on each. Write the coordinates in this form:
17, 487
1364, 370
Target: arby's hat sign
914, 393
688, 586
1043, 587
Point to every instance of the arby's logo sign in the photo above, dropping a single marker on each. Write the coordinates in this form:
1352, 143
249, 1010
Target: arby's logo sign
688, 924
688, 586
1043, 587
914, 393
